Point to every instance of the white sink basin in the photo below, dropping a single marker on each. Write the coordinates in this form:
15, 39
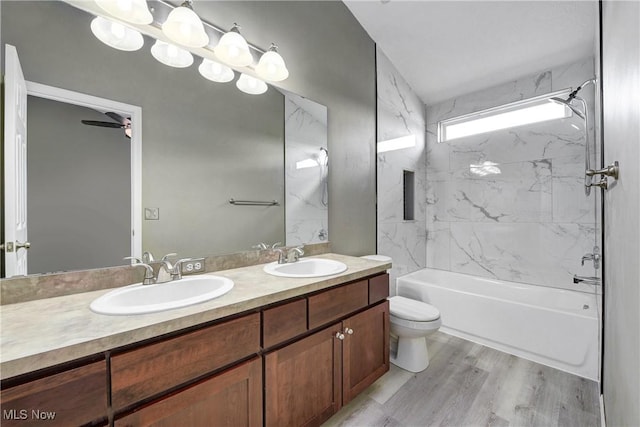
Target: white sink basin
306, 267
139, 298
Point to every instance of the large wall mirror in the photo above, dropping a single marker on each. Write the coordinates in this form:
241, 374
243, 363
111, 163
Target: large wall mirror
202, 144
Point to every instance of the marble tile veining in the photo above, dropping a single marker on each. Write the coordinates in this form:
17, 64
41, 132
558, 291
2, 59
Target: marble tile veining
510, 204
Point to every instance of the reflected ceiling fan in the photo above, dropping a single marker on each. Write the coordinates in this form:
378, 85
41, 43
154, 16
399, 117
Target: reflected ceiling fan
121, 122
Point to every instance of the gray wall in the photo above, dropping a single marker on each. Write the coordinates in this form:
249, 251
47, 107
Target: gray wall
335, 68
79, 199
621, 126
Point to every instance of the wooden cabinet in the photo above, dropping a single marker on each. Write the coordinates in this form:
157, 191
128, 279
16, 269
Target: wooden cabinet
303, 381
365, 350
308, 381
72, 397
146, 371
230, 399
328, 346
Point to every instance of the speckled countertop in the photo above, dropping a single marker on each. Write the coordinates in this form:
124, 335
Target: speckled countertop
42, 333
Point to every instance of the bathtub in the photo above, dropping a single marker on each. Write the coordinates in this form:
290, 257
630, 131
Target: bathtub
554, 327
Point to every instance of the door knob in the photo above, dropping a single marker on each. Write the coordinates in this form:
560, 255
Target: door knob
340, 336
25, 245
11, 246
348, 331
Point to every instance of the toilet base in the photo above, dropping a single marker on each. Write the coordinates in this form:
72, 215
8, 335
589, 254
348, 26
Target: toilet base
412, 354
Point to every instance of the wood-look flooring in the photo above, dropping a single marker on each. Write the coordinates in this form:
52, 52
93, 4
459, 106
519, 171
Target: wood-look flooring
468, 384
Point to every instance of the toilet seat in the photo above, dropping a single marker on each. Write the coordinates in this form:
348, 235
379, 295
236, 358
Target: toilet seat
412, 310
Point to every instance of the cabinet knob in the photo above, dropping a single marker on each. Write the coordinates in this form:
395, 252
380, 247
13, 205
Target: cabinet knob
348, 331
340, 336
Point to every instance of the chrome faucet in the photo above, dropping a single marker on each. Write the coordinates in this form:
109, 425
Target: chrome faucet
288, 254
149, 278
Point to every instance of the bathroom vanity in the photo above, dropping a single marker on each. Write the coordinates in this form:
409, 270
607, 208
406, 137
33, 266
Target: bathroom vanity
273, 351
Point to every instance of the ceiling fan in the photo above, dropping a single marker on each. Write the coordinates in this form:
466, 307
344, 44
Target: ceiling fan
121, 122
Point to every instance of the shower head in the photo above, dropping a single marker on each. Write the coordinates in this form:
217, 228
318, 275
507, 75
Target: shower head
567, 103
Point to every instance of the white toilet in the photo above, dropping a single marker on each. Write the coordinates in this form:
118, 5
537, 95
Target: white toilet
411, 321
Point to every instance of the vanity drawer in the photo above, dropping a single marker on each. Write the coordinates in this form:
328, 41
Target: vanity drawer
74, 397
378, 288
147, 371
284, 322
338, 302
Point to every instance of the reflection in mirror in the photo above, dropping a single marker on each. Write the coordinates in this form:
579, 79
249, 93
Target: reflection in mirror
203, 143
307, 168
79, 189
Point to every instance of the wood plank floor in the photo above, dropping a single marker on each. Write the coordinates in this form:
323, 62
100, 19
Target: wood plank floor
468, 384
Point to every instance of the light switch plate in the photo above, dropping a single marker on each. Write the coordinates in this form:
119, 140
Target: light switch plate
152, 214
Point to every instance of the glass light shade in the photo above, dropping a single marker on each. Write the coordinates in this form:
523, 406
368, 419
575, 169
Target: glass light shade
216, 72
233, 49
184, 27
171, 55
116, 35
134, 11
271, 66
251, 85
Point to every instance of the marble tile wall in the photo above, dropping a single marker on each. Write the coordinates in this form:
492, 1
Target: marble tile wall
306, 188
510, 204
400, 113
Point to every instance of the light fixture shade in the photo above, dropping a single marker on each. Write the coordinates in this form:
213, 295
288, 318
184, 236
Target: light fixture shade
215, 71
116, 35
271, 65
251, 85
134, 11
171, 55
233, 49
184, 27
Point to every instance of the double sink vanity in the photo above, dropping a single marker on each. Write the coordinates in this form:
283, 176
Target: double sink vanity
280, 345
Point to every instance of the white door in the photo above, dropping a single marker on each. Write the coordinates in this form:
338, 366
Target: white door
15, 166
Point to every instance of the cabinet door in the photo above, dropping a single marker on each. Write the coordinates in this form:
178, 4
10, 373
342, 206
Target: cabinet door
74, 397
365, 350
303, 381
232, 398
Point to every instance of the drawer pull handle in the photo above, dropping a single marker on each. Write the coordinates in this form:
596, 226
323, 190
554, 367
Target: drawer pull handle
340, 336
348, 331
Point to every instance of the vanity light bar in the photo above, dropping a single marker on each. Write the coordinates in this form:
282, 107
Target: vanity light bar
160, 10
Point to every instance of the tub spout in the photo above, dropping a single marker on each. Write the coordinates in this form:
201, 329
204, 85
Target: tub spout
586, 280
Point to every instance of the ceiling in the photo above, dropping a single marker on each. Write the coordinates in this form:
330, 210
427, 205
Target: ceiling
448, 48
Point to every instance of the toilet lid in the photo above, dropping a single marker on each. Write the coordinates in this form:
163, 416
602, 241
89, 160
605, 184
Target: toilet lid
381, 258
410, 309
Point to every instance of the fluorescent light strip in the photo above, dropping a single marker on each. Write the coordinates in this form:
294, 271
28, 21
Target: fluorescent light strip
397, 143
536, 114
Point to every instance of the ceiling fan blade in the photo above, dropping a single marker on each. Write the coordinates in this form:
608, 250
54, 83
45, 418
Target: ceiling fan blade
103, 124
118, 118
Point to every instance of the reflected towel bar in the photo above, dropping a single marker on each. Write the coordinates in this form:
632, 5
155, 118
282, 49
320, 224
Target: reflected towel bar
253, 202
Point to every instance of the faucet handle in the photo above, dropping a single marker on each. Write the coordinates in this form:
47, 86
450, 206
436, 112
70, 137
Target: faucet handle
176, 273
149, 279
275, 245
260, 246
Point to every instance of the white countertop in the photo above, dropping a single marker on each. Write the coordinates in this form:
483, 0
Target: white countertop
42, 333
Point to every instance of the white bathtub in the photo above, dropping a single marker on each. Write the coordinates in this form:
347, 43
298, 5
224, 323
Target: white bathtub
555, 327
